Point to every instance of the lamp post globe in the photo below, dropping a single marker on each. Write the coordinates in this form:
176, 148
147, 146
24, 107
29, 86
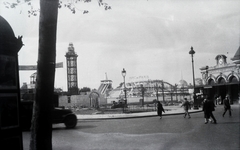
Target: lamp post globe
123, 72
192, 52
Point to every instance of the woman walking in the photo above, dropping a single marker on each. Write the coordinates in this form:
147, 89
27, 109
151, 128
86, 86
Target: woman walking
186, 105
160, 109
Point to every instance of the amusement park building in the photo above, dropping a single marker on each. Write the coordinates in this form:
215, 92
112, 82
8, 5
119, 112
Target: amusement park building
150, 90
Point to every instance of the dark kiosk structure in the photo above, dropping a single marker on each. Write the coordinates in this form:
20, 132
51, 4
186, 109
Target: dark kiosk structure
72, 81
10, 133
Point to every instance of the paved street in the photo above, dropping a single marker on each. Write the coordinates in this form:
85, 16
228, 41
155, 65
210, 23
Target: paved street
170, 133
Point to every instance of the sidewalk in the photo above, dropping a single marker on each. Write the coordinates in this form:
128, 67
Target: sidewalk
172, 110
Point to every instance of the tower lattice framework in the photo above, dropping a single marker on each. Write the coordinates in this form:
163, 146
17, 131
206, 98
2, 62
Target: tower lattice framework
72, 81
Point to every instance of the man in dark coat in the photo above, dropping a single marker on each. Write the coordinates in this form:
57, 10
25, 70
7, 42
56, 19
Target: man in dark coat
227, 106
208, 108
160, 109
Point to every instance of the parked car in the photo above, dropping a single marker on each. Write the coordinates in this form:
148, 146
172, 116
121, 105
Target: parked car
118, 105
60, 115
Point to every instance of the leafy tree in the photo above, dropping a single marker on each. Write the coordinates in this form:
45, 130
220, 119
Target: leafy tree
85, 89
41, 130
142, 90
120, 85
24, 86
58, 90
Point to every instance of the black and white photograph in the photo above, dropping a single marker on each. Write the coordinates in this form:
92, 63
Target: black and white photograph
124, 74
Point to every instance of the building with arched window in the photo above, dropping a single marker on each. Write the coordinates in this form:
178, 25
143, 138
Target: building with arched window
223, 78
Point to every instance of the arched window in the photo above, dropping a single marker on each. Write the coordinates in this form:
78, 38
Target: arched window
221, 81
233, 80
210, 82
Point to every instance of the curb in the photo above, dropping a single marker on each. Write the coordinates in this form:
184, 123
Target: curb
130, 116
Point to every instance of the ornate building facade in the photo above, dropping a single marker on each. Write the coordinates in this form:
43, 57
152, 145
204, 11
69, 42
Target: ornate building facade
223, 78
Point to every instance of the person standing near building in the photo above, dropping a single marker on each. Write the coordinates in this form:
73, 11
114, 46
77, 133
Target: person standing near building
186, 105
227, 106
220, 100
211, 109
160, 109
216, 99
206, 110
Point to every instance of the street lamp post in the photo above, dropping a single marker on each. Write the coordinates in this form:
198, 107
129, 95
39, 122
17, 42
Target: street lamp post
142, 89
176, 92
163, 91
192, 52
156, 89
125, 92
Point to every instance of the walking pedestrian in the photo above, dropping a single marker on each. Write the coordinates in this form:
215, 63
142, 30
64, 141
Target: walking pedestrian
160, 109
220, 100
227, 106
206, 110
212, 108
216, 99
186, 106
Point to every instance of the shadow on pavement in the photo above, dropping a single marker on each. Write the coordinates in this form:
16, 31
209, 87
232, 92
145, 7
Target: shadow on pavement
76, 128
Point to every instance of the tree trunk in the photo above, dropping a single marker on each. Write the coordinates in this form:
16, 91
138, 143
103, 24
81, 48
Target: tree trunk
41, 130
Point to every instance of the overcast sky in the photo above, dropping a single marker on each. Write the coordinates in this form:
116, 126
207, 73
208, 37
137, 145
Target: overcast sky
146, 37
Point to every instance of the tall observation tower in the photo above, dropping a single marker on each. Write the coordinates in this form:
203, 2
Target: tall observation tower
71, 57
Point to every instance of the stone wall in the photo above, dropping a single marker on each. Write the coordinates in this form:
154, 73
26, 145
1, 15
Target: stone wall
84, 100
79, 100
150, 99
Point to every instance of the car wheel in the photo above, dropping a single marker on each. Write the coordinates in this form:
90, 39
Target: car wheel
70, 121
